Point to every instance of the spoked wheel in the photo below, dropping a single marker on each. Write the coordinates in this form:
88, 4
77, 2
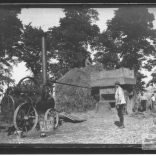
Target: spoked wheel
52, 115
8, 106
28, 84
25, 118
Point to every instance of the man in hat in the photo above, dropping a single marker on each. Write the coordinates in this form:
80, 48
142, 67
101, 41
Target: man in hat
120, 103
153, 101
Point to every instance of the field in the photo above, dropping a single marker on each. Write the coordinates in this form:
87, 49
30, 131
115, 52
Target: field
99, 128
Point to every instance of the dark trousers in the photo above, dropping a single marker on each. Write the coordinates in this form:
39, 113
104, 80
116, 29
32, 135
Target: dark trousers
120, 110
143, 105
152, 106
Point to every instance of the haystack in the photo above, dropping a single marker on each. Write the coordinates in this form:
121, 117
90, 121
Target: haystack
76, 99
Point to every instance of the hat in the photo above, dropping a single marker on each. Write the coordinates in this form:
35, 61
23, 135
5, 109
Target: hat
117, 83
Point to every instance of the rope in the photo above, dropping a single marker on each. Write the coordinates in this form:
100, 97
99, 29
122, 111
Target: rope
70, 84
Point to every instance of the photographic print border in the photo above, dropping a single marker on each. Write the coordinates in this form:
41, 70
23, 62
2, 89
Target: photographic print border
73, 148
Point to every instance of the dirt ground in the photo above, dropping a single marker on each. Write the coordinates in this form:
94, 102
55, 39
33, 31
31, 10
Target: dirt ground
97, 129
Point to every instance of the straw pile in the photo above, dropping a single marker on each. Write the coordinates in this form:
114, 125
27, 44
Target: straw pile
76, 99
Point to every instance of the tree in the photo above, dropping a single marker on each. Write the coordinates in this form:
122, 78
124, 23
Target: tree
107, 51
29, 49
70, 40
131, 33
10, 31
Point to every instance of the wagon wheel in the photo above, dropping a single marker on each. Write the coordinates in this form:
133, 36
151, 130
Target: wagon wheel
8, 106
25, 118
28, 83
51, 114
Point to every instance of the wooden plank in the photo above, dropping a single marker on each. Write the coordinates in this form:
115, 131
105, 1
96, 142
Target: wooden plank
108, 101
106, 82
107, 91
122, 72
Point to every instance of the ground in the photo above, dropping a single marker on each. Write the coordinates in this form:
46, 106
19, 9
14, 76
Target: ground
97, 129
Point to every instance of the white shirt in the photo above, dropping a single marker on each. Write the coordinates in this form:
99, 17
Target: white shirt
54, 91
153, 98
142, 97
119, 96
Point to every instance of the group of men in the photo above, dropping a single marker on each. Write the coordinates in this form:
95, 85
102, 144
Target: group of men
120, 101
147, 104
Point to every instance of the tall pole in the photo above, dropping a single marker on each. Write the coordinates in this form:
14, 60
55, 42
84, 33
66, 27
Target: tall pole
44, 61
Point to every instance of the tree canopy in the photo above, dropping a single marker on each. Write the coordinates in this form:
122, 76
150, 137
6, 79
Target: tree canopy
71, 39
29, 49
128, 40
10, 31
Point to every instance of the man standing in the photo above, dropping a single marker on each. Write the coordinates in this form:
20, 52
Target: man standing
153, 101
88, 61
143, 101
120, 103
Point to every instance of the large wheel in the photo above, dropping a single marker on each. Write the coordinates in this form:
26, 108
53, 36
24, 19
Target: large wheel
8, 107
28, 84
25, 118
51, 114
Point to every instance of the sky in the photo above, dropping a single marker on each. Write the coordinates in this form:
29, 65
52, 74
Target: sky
49, 17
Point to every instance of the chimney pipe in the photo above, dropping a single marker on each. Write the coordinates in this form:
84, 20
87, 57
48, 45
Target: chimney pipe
44, 61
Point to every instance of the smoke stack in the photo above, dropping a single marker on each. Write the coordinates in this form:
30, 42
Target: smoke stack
44, 61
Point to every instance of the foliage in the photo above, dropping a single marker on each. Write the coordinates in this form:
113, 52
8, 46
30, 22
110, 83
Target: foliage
152, 82
10, 31
67, 43
107, 51
130, 34
70, 40
29, 49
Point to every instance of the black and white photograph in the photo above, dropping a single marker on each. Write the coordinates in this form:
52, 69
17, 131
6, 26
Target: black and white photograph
78, 75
